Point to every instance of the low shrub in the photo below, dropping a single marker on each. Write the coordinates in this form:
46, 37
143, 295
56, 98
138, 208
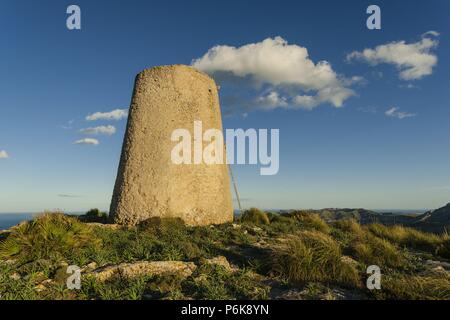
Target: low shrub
255, 216
94, 215
163, 226
281, 218
48, 236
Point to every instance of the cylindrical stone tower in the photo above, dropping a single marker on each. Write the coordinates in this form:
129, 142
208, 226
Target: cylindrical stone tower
148, 183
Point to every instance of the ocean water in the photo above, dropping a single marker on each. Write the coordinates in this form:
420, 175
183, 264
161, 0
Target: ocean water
7, 220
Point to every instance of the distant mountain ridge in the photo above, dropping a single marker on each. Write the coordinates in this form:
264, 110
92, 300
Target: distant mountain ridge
436, 221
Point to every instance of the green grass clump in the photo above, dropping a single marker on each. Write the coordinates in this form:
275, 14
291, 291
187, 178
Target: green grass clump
159, 241
117, 288
48, 236
163, 226
255, 216
351, 226
412, 238
367, 248
215, 283
308, 220
375, 251
12, 289
312, 256
406, 287
444, 249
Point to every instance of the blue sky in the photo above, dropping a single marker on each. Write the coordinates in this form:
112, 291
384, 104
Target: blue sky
349, 155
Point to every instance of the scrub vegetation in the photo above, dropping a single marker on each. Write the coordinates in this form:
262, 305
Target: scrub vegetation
295, 255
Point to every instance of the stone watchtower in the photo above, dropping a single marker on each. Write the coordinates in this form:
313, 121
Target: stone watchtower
148, 184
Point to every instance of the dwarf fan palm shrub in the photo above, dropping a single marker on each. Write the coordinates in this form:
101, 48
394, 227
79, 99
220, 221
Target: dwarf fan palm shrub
47, 236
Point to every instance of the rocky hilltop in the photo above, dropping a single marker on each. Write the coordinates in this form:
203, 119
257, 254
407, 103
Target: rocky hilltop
294, 255
441, 215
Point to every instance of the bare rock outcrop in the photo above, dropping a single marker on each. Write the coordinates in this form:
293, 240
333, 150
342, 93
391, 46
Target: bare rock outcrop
145, 268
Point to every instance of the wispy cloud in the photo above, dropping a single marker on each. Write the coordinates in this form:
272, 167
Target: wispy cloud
409, 86
68, 125
106, 130
283, 75
88, 141
441, 188
395, 113
414, 60
69, 196
111, 115
437, 188
3, 154
431, 33
368, 109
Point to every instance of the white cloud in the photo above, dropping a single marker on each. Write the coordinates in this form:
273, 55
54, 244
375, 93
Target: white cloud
106, 130
112, 115
271, 100
414, 60
88, 141
3, 154
431, 33
305, 101
368, 109
395, 113
285, 69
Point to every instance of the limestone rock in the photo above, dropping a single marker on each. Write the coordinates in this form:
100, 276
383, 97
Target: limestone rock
148, 268
349, 260
444, 265
89, 267
15, 276
40, 288
148, 183
221, 261
8, 262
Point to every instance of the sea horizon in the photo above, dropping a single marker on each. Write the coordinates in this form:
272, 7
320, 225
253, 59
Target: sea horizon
8, 220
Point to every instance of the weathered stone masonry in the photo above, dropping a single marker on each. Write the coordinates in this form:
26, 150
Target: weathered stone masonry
148, 184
